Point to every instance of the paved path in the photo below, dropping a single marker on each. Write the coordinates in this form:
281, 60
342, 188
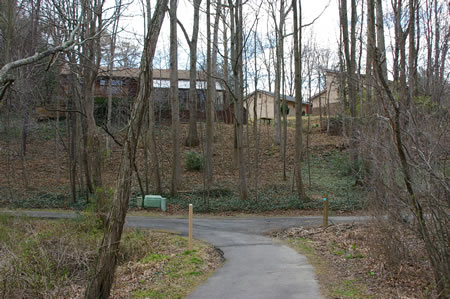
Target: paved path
256, 266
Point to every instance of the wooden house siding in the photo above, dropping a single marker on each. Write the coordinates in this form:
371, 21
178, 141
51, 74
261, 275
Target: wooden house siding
265, 105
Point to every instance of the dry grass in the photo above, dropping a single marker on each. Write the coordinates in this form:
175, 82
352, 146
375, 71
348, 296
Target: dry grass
52, 259
351, 262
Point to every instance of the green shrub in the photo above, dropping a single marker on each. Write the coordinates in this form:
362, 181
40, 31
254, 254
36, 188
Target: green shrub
194, 161
283, 108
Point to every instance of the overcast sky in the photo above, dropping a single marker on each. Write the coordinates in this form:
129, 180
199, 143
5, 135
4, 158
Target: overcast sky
325, 28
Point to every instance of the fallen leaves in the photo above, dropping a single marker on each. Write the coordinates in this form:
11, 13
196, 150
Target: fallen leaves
352, 252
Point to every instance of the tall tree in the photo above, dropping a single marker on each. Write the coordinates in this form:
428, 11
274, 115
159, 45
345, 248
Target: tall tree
174, 100
112, 54
297, 27
412, 52
192, 138
279, 33
226, 62
255, 112
101, 282
209, 101
212, 46
370, 49
381, 47
409, 179
349, 44
238, 88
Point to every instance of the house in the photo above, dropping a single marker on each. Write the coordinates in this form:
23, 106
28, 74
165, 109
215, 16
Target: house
330, 94
124, 84
265, 104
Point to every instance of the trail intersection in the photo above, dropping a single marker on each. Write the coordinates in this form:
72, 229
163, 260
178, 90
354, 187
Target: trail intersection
256, 266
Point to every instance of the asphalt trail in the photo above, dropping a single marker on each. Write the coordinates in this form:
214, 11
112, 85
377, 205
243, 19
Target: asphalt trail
256, 266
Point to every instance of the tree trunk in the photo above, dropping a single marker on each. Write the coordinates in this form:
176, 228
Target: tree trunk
298, 99
152, 143
412, 55
73, 148
381, 48
279, 57
192, 139
100, 285
236, 58
174, 100
370, 49
255, 120
226, 97
320, 103
112, 46
349, 42
91, 54
209, 102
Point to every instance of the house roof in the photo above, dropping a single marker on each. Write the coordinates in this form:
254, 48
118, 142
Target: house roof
317, 95
288, 98
125, 72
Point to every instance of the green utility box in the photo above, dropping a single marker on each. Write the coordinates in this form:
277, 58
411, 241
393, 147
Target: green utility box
152, 201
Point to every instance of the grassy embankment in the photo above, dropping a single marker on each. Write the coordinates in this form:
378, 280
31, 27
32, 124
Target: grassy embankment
54, 258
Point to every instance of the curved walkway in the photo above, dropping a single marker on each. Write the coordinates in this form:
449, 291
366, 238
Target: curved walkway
256, 266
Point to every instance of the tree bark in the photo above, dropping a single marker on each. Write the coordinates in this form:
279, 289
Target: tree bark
370, 49
102, 279
381, 47
236, 58
255, 119
349, 42
209, 101
192, 139
112, 49
412, 55
298, 99
279, 57
174, 100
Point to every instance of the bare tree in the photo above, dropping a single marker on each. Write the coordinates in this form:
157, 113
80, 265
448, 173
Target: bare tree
174, 100
226, 62
255, 112
408, 177
349, 44
380, 36
209, 101
279, 30
192, 138
297, 27
102, 279
6, 79
237, 47
112, 52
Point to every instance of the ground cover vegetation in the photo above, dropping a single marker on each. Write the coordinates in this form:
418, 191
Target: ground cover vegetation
387, 74
54, 258
354, 260
330, 173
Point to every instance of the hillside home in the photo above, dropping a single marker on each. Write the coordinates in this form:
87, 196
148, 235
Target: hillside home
320, 100
265, 105
125, 85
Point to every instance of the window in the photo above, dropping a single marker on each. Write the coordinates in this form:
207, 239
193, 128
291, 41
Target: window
116, 86
116, 82
219, 101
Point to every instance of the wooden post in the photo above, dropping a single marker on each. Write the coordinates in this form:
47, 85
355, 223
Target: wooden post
325, 211
190, 226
